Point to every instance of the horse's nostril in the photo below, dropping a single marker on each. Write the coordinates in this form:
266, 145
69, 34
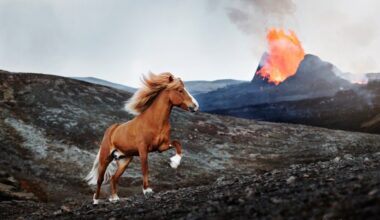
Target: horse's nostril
194, 108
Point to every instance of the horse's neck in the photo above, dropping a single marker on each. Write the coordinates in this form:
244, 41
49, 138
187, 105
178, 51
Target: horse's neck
159, 112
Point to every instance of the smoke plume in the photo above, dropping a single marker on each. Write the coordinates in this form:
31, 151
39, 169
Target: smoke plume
256, 16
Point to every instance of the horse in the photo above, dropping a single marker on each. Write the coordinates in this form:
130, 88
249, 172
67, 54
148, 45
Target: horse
147, 132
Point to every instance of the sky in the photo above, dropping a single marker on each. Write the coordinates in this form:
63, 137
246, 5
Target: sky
119, 40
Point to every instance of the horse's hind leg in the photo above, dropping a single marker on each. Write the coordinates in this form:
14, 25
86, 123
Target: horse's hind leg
104, 161
122, 165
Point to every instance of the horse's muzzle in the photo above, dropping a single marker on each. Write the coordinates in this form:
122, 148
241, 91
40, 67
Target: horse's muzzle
193, 108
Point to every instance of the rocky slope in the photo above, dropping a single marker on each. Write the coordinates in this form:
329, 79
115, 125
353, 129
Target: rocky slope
51, 127
354, 110
342, 188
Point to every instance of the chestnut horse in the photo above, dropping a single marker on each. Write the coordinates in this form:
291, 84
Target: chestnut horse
149, 131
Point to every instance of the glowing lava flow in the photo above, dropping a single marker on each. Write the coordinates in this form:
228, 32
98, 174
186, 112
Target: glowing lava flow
284, 56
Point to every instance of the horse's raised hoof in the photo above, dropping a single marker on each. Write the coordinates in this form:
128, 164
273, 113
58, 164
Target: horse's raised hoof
175, 161
147, 191
114, 198
95, 201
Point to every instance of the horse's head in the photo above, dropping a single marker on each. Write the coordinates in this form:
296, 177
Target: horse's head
179, 96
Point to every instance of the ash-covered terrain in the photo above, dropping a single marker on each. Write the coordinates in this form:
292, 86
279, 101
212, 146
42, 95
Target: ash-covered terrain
50, 128
354, 110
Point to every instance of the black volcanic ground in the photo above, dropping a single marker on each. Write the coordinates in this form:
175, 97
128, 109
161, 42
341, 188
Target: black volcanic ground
50, 128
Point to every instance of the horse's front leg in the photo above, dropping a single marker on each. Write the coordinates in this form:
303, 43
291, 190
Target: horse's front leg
145, 172
176, 159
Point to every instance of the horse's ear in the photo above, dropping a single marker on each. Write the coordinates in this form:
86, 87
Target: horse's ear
171, 78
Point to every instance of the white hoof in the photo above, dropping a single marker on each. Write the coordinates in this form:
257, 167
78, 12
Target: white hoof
175, 161
114, 198
147, 191
95, 201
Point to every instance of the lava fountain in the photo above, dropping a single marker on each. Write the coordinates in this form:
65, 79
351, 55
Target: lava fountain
284, 56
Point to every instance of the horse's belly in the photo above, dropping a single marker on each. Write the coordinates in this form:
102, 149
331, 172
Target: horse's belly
131, 152
128, 151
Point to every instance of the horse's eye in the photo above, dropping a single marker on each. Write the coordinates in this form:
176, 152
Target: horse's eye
181, 91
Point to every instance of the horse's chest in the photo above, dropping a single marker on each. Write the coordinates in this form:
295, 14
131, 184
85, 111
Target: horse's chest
160, 139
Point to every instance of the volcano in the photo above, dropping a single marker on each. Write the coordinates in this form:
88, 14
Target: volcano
314, 78
284, 73
284, 55
316, 95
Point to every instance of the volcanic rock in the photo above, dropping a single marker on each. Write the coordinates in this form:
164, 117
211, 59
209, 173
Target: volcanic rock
49, 137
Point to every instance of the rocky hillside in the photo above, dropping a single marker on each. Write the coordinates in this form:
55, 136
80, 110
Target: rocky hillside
354, 110
50, 128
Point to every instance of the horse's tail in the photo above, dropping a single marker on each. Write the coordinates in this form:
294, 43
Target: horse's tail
92, 176
101, 159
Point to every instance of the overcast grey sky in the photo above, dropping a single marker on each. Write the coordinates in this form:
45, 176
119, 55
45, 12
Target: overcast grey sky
118, 40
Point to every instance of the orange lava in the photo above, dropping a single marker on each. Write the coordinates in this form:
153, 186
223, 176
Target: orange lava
284, 56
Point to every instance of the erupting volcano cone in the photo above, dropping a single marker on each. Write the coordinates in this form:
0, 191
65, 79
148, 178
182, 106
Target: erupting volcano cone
284, 56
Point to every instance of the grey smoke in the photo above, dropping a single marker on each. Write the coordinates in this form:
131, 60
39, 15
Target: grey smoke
344, 32
255, 16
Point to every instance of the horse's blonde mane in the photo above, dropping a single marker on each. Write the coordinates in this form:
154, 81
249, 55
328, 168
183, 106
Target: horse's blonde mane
153, 84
